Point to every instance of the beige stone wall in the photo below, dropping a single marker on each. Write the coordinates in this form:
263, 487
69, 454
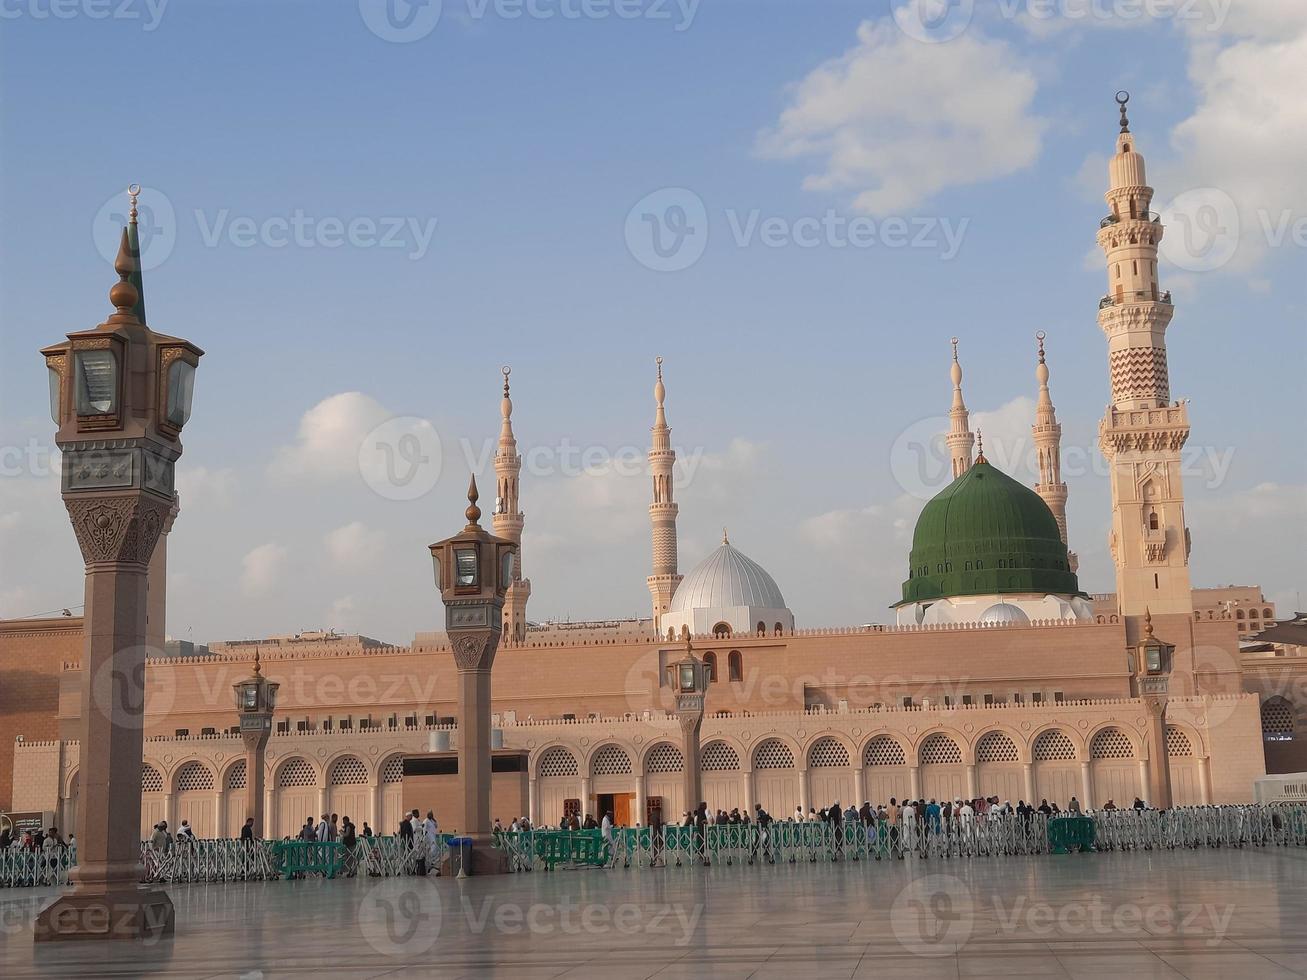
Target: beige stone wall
1095, 750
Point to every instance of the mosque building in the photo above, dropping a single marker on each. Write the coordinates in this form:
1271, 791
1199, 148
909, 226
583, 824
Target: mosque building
1000, 675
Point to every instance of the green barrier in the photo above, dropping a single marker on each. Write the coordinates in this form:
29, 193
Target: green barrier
555, 847
308, 857
1070, 833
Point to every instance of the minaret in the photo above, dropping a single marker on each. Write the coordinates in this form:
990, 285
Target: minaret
1143, 431
663, 510
959, 439
508, 520
1048, 448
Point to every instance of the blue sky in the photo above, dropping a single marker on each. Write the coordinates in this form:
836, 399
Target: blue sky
797, 373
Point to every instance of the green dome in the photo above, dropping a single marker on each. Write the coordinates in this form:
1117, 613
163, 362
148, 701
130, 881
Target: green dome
986, 533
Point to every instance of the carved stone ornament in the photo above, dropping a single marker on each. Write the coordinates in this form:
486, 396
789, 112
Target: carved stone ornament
118, 528
474, 649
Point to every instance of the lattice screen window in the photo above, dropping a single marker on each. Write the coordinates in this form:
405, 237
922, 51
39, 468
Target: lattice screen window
884, 751
939, 750
1277, 717
1054, 746
773, 754
558, 762
610, 761
828, 753
237, 776
665, 757
1177, 742
1111, 743
995, 747
349, 771
194, 776
393, 770
151, 780
297, 772
720, 757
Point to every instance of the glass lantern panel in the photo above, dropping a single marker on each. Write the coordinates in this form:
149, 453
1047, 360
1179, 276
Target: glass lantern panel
55, 380
687, 677
181, 387
465, 567
97, 382
251, 694
506, 570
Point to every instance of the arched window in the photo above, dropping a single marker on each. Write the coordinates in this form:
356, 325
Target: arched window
735, 666
710, 666
557, 761
721, 630
762, 628
779, 629
1238, 614
1277, 719
1267, 614
1152, 520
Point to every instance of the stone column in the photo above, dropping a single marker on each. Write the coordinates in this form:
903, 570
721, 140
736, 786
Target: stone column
803, 789
1028, 774
117, 535
1087, 784
859, 786
533, 799
973, 788
691, 723
585, 796
474, 654
749, 798
157, 587
219, 814
270, 813
1144, 781
255, 804
378, 804
1158, 783
170, 810
640, 799
1205, 780
914, 780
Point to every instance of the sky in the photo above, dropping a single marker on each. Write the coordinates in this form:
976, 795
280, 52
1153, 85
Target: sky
362, 209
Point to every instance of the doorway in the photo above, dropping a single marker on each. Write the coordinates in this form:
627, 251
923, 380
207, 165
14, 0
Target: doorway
621, 805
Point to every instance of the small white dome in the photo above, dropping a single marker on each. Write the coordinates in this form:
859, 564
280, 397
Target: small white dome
1006, 613
727, 578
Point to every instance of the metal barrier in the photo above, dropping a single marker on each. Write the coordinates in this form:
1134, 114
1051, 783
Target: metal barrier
992, 835
986, 835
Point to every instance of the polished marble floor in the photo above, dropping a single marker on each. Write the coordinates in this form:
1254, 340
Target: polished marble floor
1240, 913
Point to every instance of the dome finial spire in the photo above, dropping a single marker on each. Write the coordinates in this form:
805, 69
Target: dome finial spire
725, 539
1122, 98
473, 512
980, 447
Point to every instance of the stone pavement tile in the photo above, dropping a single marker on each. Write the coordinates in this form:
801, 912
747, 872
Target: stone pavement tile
1032, 964
1290, 961
686, 969
906, 968
1220, 964
1136, 965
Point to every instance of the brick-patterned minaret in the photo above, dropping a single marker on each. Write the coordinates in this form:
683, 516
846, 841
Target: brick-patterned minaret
663, 510
1143, 431
1047, 433
960, 438
508, 519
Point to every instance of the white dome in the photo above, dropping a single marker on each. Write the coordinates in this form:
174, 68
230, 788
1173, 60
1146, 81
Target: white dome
727, 578
1005, 612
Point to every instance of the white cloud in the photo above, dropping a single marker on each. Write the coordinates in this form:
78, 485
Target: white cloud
205, 487
897, 121
355, 545
1224, 524
330, 433
342, 615
262, 568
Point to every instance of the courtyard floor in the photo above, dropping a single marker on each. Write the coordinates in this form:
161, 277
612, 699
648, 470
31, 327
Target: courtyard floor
1240, 913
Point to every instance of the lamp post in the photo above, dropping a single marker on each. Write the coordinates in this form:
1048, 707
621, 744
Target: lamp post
690, 684
473, 572
120, 395
256, 699
1152, 684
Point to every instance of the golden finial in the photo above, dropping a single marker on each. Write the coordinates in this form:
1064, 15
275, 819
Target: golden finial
954, 342
506, 371
1148, 623
1123, 97
1039, 336
473, 512
133, 192
257, 668
659, 361
980, 447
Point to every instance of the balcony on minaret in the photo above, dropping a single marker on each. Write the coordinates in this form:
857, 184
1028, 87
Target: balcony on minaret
1144, 429
1154, 541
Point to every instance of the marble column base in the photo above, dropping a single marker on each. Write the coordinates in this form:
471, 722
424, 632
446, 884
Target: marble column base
121, 912
479, 858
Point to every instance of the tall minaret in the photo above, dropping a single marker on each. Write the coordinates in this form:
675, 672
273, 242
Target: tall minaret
1048, 448
960, 439
1143, 431
663, 510
508, 520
